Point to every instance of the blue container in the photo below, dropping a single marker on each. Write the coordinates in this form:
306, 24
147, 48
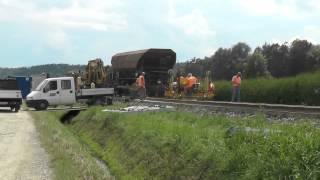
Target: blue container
24, 84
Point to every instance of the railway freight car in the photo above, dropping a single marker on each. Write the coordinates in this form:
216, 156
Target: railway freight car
154, 62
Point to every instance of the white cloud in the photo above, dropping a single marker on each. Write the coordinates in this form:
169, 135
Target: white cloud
192, 24
314, 3
58, 40
285, 8
53, 22
209, 51
310, 33
94, 14
258, 7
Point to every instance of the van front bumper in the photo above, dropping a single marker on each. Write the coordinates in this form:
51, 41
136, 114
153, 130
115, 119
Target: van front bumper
32, 103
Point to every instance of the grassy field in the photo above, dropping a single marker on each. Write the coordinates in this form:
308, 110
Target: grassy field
69, 158
302, 89
180, 145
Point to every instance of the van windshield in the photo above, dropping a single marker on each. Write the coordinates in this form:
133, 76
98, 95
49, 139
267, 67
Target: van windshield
41, 85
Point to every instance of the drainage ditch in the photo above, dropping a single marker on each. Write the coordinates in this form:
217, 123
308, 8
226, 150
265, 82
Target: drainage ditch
67, 118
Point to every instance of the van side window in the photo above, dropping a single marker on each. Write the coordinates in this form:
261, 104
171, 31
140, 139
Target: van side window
53, 85
65, 84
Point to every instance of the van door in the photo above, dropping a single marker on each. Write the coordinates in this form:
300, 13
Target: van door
67, 94
51, 93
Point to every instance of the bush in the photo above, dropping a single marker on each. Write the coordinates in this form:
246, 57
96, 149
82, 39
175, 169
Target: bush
303, 89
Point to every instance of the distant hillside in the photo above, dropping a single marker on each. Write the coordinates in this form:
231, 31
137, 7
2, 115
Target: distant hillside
53, 69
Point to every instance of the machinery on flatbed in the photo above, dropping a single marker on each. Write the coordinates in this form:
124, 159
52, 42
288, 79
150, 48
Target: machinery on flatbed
10, 94
177, 89
63, 91
95, 73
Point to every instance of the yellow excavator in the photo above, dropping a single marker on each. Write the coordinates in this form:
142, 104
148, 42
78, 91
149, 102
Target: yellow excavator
95, 75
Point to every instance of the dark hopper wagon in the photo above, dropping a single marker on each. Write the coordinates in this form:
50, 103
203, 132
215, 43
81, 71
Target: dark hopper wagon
154, 62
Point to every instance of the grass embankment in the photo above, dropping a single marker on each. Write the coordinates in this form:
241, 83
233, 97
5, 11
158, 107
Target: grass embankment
179, 145
302, 89
69, 158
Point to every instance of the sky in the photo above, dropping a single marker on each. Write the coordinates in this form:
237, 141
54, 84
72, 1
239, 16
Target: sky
34, 32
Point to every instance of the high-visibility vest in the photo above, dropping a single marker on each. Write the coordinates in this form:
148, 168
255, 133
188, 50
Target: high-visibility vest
236, 81
192, 81
183, 81
141, 82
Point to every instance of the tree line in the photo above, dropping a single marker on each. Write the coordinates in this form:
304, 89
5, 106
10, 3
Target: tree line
270, 60
54, 70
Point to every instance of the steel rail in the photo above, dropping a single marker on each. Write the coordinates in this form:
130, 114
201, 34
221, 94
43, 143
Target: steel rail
238, 106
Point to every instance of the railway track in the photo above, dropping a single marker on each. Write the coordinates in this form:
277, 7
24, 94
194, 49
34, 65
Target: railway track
271, 109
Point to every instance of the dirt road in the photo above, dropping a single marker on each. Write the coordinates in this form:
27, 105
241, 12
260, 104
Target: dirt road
21, 156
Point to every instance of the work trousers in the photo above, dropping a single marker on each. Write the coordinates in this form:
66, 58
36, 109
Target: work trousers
235, 94
142, 92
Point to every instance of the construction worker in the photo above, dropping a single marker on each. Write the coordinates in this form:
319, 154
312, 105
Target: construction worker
79, 82
141, 86
236, 82
93, 85
192, 80
211, 87
182, 82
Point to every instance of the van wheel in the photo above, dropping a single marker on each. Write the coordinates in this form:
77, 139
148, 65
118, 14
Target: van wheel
43, 105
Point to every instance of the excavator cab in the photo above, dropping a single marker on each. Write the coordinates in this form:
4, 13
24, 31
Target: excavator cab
95, 73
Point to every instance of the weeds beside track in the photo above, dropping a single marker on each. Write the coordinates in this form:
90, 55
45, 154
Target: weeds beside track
181, 145
69, 158
302, 89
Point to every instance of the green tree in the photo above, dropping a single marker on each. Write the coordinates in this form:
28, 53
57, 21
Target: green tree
222, 64
255, 65
313, 58
226, 62
298, 56
240, 51
277, 59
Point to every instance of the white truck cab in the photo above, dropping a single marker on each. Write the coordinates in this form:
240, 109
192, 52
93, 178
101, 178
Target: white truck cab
62, 91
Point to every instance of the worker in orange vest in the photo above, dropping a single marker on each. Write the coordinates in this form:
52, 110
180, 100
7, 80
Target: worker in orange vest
192, 80
141, 85
236, 82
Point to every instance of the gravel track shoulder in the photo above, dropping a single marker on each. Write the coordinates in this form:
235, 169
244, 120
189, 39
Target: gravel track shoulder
21, 155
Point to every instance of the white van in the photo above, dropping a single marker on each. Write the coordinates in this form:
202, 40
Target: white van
62, 91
